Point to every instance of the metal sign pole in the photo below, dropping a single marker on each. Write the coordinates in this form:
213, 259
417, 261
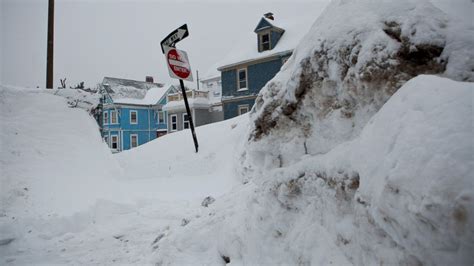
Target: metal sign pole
196, 144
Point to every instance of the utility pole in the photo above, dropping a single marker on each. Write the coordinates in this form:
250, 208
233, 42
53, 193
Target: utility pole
197, 79
49, 56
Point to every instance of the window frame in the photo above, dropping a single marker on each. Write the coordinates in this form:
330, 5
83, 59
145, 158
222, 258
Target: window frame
171, 122
184, 121
113, 114
136, 117
246, 79
112, 142
161, 121
105, 118
262, 43
131, 140
243, 106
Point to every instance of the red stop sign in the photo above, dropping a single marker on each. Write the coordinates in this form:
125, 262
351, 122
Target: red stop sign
178, 64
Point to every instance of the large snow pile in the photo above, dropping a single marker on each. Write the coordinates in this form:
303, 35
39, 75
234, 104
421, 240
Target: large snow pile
335, 174
353, 59
49, 153
400, 193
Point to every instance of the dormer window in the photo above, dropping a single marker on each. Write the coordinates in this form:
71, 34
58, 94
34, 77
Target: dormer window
264, 42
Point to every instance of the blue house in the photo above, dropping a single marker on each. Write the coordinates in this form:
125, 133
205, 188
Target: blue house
132, 112
247, 69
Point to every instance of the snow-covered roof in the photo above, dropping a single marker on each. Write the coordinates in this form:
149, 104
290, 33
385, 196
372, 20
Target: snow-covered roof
211, 73
152, 96
193, 103
247, 49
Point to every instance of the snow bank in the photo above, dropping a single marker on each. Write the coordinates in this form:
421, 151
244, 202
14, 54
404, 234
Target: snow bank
53, 159
180, 173
401, 193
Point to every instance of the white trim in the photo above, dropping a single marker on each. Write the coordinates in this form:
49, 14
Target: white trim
189, 124
261, 41
112, 142
131, 136
243, 106
163, 114
171, 122
136, 117
112, 116
106, 140
246, 79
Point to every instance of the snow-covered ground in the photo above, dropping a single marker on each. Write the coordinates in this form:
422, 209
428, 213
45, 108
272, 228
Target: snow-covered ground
66, 199
350, 156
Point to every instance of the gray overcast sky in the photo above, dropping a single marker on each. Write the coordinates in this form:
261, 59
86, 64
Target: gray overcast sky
101, 38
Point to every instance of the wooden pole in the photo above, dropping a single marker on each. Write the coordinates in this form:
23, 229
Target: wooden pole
49, 56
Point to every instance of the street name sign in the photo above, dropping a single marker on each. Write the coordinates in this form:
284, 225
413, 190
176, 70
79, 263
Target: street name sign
174, 37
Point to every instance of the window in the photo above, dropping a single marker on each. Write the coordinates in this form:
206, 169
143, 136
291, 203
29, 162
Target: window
174, 122
243, 109
264, 42
133, 117
113, 117
114, 142
185, 121
161, 117
133, 140
242, 78
106, 118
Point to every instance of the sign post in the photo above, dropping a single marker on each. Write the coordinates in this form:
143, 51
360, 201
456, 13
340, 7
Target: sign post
179, 68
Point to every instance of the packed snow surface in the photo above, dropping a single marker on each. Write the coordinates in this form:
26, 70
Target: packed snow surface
66, 199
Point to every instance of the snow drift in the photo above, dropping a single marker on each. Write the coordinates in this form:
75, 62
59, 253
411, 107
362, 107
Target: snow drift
344, 163
349, 206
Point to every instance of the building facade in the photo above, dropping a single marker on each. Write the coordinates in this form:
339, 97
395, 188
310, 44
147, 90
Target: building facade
129, 122
244, 77
199, 105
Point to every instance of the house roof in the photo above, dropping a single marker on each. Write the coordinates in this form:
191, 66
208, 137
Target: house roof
116, 82
211, 73
247, 50
152, 96
192, 102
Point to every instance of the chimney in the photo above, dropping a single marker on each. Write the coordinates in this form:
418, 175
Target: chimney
269, 15
149, 79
